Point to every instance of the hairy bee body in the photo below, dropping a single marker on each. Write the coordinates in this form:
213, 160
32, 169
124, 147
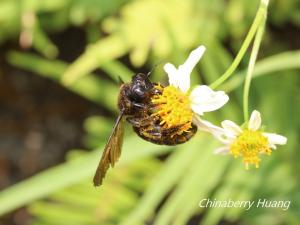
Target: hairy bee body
155, 133
138, 112
134, 103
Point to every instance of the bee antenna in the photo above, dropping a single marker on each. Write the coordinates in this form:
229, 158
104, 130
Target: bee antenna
154, 67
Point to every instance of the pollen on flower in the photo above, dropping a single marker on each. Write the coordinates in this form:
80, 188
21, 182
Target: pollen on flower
249, 144
173, 108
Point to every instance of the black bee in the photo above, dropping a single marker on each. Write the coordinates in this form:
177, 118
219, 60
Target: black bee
135, 106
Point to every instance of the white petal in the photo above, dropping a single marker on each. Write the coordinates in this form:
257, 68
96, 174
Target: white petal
207, 126
204, 99
186, 69
193, 59
219, 133
184, 79
222, 150
225, 137
255, 121
231, 127
172, 74
275, 139
181, 77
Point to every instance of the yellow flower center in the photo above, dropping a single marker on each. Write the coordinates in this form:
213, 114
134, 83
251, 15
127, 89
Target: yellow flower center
249, 144
173, 108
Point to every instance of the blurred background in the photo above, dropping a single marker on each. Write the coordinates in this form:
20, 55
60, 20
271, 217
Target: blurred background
59, 68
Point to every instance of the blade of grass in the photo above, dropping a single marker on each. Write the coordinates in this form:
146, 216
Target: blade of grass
90, 86
69, 173
116, 69
103, 51
204, 187
196, 184
228, 189
74, 215
169, 175
185, 185
282, 61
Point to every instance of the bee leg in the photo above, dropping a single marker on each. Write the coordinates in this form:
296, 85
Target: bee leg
138, 105
139, 121
153, 132
134, 121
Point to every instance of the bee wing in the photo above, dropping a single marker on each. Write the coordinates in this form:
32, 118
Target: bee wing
112, 151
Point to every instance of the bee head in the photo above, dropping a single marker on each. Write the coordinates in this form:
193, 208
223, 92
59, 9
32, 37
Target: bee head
141, 85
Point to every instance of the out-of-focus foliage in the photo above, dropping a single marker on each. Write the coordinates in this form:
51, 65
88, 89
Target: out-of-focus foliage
121, 194
149, 31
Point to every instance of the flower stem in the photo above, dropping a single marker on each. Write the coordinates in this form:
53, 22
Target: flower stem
260, 15
253, 56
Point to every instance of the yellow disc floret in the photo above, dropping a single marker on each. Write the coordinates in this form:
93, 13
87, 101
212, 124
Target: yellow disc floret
249, 144
173, 108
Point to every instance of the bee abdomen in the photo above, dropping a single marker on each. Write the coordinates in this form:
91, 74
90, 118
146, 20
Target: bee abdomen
164, 136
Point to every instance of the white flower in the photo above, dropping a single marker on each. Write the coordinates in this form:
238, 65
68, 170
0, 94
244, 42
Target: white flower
247, 142
202, 98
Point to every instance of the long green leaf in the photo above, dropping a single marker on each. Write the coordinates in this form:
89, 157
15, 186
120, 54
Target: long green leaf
103, 51
170, 174
90, 86
283, 61
69, 173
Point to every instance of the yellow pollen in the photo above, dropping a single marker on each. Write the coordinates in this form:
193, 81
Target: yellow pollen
249, 144
173, 108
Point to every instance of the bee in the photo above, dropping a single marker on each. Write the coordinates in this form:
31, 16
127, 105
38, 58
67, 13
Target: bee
135, 106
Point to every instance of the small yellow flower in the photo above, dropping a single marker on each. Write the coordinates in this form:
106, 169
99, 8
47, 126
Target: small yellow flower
249, 142
177, 105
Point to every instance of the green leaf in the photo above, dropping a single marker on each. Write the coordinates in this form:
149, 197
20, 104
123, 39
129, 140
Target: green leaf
195, 185
93, 205
69, 173
165, 180
282, 61
90, 86
103, 51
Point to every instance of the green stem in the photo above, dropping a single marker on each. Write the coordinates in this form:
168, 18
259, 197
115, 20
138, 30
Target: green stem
256, 45
260, 15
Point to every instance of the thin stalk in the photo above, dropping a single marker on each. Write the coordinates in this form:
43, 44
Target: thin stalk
256, 45
260, 16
